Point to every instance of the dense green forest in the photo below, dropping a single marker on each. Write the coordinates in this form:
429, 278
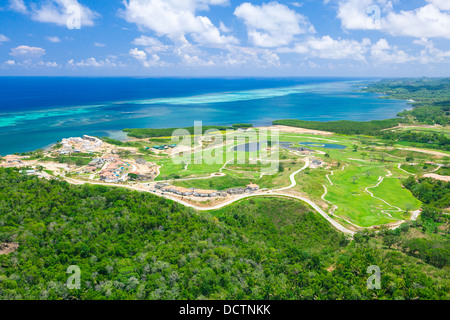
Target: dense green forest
431, 98
154, 133
167, 132
431, 192
432, 140
343, 127
132, 245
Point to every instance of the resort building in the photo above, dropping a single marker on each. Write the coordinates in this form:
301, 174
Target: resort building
253, 187
160, 186
236, 191
11, 162
205, 193
79, 145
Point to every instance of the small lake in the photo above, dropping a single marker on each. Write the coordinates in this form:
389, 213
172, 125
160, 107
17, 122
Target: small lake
323, 145
291, 146
249, 147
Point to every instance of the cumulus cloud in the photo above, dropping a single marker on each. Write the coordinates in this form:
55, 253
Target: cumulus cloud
272, 24
152, 61
92, 62
328, 48
224, 28
196, 61
10, 63
382, 52
429, 21
431, 54
441, 4
176, 19
48, 64
18, 6
152, 44
27, 52
62, 12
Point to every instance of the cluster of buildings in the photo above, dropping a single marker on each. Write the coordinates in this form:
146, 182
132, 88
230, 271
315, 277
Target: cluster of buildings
316, 164
165, 147
138, 176
94, 165
79, 145
165, 187
12, 161
114, 171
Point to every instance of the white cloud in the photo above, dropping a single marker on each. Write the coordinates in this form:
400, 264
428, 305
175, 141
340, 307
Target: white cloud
62, 12
48, 64
53, 39
18, 6
441, 4
329, 48
195, 61
296, 4
92, 62
138, 54
272, 24
147, 41
27, 52
99, 45
271, 59
424, 22
176, 19
244, 57
141, 56
3, 38
152, 44
224, 28
382, 52
431, 54
30, 63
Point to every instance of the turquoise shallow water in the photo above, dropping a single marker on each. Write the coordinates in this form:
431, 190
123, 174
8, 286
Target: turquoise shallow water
36, 112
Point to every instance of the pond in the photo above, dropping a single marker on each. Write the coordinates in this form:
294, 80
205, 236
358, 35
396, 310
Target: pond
323, 145
249, 147
290, 146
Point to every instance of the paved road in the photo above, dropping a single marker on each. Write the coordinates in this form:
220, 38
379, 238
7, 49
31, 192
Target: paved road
277, 194
292, 177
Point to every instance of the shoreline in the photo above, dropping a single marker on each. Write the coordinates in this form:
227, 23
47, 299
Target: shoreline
122, 136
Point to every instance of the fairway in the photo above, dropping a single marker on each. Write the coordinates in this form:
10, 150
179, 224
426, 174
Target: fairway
354, 203
392, 192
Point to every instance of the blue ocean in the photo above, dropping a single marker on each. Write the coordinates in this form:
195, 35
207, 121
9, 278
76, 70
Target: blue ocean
36, 112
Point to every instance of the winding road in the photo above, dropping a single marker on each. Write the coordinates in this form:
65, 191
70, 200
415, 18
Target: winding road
292, 177
276, 193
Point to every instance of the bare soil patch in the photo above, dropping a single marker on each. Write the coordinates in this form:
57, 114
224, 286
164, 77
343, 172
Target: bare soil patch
7, 248
437, 177
287, 129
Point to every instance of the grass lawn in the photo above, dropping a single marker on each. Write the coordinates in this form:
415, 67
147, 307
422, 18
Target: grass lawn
444, 171
418, 169
391, 191
438, 130
355, 204
310, 182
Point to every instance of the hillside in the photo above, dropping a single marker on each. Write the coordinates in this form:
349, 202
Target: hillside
132, 245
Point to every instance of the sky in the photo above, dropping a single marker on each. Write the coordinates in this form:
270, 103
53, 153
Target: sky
195, 38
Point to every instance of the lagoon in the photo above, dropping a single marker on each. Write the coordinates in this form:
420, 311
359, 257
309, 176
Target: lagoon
36, 112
